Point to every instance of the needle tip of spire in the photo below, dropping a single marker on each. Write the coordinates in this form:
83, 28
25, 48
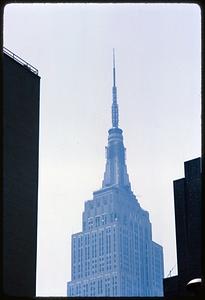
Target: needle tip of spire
113, 57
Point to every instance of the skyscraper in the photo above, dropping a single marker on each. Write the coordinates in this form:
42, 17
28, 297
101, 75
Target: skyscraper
114, 255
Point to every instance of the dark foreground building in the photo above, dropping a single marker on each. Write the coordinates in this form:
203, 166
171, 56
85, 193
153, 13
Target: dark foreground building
21, 87
187, 200
114, 255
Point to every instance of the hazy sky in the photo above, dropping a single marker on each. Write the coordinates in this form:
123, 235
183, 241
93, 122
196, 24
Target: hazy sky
158, 79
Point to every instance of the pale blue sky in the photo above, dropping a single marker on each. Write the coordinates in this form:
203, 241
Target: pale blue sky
158, 80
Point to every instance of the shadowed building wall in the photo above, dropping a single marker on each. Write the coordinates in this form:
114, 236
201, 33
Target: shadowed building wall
21, 87
187, 200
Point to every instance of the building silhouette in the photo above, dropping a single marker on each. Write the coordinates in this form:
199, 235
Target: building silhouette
114, 255
21, 89
187, 200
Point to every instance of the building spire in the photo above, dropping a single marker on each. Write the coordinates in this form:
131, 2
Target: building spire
115, 169
113, 67
115, 114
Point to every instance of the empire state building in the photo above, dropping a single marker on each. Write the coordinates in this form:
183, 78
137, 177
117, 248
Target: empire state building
114, 255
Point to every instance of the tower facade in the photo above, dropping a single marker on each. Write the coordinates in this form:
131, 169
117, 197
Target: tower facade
114, 255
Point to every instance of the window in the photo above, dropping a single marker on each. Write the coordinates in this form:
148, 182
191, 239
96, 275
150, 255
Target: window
97, 221
115, 285
86, 268
104, 200
98, 287
90, 223
94, 244
101, 286
104, 219
107, 286
92, 288
108, 240
101, 243
79, 242
88, 253
114, 239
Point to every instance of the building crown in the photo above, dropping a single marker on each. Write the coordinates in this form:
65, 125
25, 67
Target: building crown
116, 170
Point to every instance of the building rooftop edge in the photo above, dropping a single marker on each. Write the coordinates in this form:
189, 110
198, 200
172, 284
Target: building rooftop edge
107, 188
20, 60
